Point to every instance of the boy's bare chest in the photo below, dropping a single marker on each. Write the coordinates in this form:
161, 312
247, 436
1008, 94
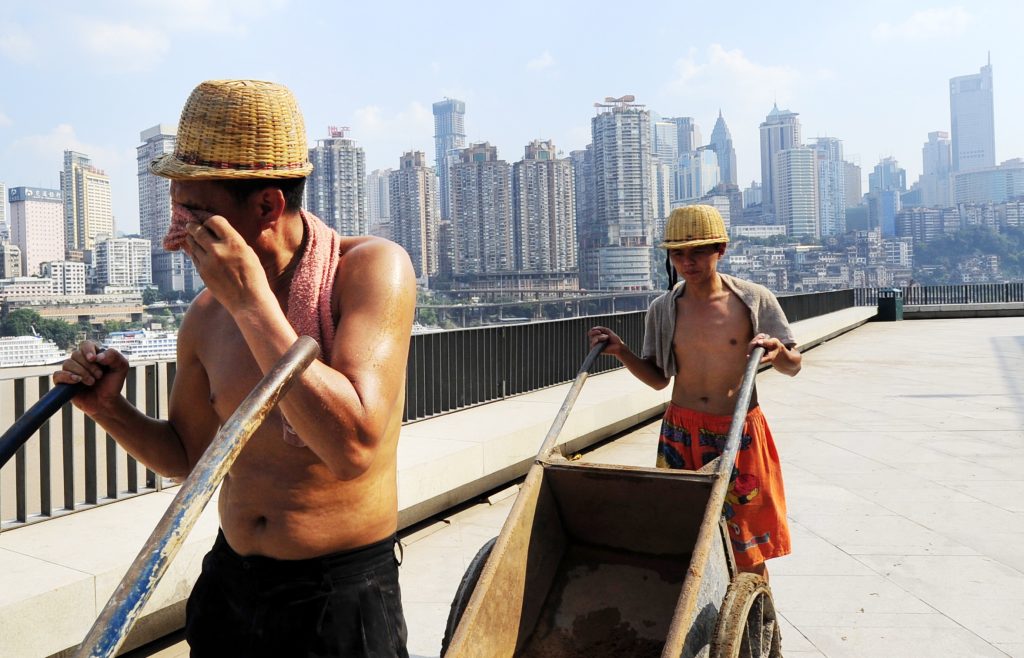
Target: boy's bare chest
719, 326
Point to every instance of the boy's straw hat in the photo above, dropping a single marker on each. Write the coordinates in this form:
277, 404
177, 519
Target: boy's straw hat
694, 226
237, 129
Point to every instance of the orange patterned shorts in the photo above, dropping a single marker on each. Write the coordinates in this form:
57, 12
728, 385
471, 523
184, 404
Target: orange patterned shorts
755, 506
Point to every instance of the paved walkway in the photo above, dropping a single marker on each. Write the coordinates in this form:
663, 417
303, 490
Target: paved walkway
904, 462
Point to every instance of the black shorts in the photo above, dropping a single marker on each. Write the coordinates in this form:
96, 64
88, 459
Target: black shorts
343, 604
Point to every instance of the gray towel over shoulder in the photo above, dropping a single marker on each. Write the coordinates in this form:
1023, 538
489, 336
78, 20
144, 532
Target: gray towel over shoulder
766, 316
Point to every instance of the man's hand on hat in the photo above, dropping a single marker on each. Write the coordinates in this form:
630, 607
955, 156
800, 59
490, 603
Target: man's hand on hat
229, 267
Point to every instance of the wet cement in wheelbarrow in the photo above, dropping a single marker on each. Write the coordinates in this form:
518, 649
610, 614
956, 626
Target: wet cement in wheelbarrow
607, 603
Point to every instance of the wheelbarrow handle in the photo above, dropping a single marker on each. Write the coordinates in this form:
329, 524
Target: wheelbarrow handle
33, 419
739, 414
570, 399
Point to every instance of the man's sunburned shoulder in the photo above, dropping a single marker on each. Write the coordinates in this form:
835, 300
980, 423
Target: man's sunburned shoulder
371, 255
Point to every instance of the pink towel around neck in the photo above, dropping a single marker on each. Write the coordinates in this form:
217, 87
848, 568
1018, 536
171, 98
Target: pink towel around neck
311, 295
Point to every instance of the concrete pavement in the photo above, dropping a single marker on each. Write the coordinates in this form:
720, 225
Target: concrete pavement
903, 456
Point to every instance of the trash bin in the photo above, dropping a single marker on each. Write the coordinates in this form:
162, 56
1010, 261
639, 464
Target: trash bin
890, 304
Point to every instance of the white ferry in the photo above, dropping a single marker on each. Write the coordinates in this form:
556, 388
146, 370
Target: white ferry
144, 344
18, 351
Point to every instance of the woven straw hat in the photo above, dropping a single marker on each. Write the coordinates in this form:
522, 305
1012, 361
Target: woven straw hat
237, 129
694, 226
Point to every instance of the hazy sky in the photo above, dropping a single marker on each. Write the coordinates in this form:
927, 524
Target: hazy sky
91, 76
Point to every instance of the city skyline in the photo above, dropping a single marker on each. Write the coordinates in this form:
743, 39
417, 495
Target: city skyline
876, 78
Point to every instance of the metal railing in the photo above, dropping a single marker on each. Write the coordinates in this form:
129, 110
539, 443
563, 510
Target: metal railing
809, 305
70, 464
976, 293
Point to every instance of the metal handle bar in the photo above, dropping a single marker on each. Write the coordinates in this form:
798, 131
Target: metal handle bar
570, 399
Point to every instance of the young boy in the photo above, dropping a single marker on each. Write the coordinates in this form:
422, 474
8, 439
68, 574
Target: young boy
698, 336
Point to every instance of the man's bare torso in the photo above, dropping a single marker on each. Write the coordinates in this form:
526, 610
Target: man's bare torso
280, 500
710, 347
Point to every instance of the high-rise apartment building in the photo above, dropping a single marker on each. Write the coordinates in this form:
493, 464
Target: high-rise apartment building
544, 210
886, 184
697, 173
665, 141
37, 226
831, 171
616, 254
123, 263
972, 120
481, 224
378, 202
927, 224
68, 276
449, 140
172, 271
991, 185
937, 173
752, 195
414, 213
887, 175
10, 258
721, 144
584, 188
796, 192
336, 190
5, 227
88, 210
780, 131
688, 134
854, 184
154, 191
663, 181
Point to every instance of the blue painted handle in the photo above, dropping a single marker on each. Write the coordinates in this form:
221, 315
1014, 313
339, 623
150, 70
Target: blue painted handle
33, 419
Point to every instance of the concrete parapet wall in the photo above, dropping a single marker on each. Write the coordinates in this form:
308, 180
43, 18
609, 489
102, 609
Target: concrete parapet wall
991, 310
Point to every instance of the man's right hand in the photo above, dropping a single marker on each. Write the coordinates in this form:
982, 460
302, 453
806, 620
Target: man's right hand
613, 344
102, 371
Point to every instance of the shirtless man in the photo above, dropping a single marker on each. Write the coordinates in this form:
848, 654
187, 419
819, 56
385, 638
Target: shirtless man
305, 561
701, 332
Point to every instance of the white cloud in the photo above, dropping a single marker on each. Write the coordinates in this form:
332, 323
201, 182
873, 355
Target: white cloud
123, 46
544, 61
5, 120
393, 134
731, 75
219, 16
718, 78
17, 44
48, 148
926, 24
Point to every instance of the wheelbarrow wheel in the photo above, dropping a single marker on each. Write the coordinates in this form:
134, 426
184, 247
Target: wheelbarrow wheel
747, 624
465, 590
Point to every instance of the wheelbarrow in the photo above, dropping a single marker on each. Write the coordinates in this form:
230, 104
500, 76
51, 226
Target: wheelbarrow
613, 561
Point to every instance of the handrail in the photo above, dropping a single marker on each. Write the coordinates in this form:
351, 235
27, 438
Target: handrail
115, 621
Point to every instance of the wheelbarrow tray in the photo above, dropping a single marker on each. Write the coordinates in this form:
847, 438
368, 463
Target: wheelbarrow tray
598, 560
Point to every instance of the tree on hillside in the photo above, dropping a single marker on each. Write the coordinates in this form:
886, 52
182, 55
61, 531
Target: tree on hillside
20, 322
26, 322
